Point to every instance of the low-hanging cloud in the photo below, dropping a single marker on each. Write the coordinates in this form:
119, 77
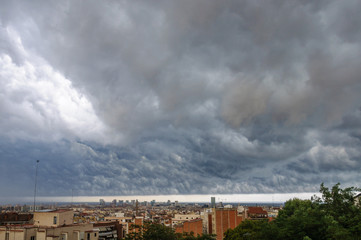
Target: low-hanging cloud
157, 97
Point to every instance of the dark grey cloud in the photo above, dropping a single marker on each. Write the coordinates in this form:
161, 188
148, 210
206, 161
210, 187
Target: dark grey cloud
148, 97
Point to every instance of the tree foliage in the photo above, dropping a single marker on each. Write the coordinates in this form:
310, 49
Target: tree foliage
249, 229
335, 215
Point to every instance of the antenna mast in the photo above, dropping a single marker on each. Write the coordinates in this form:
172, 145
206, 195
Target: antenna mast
36, 176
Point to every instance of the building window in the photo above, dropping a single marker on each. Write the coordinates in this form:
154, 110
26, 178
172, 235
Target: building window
88, 236
95, 234
55, 220
6, 236
32, 238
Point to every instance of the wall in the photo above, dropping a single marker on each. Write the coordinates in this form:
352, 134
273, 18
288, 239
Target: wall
47, 218
195, 226
17, 232
224, 220
86, 229
48, 233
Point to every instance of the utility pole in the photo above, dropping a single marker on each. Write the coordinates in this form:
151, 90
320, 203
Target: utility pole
72, 195
36, 176
136, 207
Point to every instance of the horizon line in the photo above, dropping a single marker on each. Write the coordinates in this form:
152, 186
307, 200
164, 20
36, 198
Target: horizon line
199, 198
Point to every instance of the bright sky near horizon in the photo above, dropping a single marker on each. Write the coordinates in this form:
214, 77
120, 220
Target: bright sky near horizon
167, 97
194, 198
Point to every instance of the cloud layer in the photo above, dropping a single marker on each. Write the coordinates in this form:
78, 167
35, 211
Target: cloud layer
179, 97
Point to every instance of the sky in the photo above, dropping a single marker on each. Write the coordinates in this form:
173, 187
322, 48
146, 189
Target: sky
158, 97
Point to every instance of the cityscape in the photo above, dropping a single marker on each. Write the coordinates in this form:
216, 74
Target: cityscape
114, 220
133, 220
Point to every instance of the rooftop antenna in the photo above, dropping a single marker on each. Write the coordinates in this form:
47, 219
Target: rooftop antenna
36, 176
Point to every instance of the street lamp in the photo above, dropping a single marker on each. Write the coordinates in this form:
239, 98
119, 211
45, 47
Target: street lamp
36, 176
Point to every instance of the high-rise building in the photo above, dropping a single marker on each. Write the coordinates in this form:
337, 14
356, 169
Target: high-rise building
213, 202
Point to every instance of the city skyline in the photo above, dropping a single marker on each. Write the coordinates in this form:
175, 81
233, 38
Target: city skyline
179, 97
276, 198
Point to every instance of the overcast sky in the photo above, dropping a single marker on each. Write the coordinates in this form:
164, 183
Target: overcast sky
179, 97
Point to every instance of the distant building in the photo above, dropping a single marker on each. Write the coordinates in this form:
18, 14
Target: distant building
213, 202
272, 213
31, 208
126, 223
101, 202
15, 218
256, 213
119, 214
180, 218
109, 230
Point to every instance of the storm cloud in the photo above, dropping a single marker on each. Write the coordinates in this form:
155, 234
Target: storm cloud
179, 97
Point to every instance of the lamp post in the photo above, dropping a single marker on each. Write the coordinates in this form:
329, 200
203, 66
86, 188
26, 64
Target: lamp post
36, 176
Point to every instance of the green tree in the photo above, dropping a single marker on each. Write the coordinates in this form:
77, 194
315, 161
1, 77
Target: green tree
159, 232
247, 230
190, 236
343, 214
135, 232
206, 237
332, 216
299, 219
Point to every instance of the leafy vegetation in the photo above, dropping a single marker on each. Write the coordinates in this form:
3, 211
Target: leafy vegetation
335, 215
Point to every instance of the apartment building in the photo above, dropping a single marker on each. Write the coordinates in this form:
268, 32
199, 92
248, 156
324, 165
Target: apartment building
50, 225
221, 219
180, 218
